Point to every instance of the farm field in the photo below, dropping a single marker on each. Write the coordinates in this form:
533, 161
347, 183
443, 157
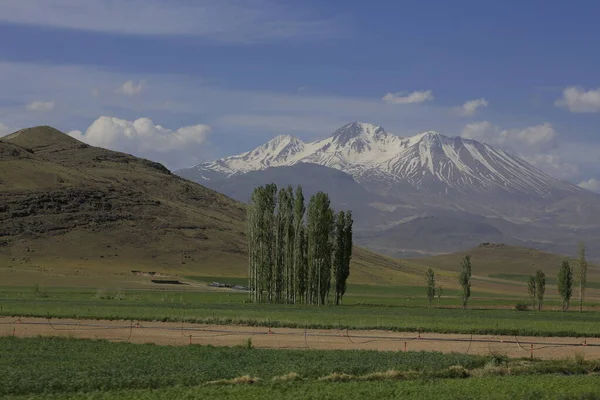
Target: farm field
366, 307
99, 369
538, 387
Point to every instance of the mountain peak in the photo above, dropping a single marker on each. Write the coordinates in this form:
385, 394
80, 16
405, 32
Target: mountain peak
357, 129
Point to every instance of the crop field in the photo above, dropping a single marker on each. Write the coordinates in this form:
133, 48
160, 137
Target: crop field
100, 369
230, 307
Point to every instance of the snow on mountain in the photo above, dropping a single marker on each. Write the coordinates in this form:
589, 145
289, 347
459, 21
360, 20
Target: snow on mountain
428, 161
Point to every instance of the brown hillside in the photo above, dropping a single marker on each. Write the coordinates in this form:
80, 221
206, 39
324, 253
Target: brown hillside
68, 208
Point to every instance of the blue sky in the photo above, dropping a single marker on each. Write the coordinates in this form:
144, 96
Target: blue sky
220, 77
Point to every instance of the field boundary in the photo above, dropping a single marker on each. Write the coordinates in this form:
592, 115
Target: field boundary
165, 333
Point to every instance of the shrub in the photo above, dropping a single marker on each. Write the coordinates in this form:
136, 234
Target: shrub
521, 307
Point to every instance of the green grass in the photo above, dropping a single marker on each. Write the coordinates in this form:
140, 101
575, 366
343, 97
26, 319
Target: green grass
54, 365
81, 369
493, 388
550, 281
405, 314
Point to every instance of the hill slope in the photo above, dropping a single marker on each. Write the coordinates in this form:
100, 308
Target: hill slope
67, 208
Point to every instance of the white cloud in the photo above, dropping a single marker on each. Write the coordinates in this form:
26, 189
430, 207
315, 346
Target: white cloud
536, 137
95, 92
535, 144
471, 106
408, 98
578, 100
130, 89
553, 165
4, 129
592, 184
42, 106
143, 138
221, 20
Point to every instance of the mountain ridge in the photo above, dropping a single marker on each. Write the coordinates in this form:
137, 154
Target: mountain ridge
428, 161
425, 175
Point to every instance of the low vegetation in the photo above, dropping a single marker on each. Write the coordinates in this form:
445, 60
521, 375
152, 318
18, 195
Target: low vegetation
38, 366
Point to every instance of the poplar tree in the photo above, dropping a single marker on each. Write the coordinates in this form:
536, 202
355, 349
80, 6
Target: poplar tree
289, 240
299, 247
280, 235
565, 284
540, 287
348, 245
531, 288
319, 226
582, 274
267, 228
465, 279
430, 277
339, 255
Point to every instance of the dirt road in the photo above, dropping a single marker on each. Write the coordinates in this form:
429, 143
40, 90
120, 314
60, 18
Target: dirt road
163, 333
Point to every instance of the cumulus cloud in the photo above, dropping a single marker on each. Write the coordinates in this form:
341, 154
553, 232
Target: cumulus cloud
471, 106
553, 165
592, 184
42, 106
578, 100
130, 89
142, 137
535, 144
536, 137
408, 98
4, 129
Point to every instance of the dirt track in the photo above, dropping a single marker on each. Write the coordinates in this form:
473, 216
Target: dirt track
228, 335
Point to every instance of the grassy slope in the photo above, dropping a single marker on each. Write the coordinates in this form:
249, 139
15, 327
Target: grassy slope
69, 212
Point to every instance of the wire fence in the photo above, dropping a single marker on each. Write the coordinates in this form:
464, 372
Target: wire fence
294, 338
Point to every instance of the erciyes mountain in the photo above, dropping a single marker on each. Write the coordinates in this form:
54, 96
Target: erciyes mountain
418, 195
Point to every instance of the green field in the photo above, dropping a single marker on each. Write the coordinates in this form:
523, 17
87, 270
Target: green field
100, 369
366, 311
518, 388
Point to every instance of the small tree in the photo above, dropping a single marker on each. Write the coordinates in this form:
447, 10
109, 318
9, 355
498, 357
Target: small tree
582, 274
540, 287
439, 292
465, 279
531, 289
565, 284
430, 276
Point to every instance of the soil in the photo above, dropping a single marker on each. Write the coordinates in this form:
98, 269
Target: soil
164, 333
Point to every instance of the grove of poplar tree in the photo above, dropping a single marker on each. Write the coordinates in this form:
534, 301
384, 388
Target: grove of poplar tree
295, 252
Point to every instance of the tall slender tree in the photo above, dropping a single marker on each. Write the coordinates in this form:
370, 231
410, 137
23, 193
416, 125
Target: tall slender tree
269, 263
465, 279
565, 284
300, 268
348, 246
342, 252
289, 241
531, 289
540, 287
430, 277
582, 274
320, 224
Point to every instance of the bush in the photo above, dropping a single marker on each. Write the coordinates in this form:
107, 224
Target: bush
521, 307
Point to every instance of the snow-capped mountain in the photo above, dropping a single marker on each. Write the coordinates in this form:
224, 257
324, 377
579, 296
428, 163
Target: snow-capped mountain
423, 194
428, 161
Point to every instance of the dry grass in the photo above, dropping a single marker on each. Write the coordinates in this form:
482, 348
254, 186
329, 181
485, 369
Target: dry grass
240, 380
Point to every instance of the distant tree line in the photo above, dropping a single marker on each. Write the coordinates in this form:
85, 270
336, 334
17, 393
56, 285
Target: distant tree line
295, 252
